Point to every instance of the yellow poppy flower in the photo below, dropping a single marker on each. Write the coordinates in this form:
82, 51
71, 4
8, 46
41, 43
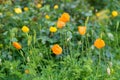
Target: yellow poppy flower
47, 16
25, 29
53, 29
26, 8
18, 10
114, 13
38, 5
56, 7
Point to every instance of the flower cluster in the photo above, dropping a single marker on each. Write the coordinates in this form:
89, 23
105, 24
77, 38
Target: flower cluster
65, 17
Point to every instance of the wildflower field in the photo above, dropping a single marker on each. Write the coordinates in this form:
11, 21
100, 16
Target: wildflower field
59, 39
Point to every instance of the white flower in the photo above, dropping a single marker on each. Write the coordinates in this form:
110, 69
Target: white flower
68, 39
92, 47
108, 71
79, 42
111, 37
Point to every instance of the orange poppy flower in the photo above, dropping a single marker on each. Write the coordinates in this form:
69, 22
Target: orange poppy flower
60, 24
82, 29
65, 17
57, 50
16, 45
99, 43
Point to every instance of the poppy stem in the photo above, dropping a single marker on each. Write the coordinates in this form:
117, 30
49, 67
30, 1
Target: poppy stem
23, 52
23, 55
86, 21
98, 66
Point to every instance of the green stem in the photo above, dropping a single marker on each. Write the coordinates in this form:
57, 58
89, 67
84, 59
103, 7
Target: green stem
99, 61
86, 21
82, 46
105, 61
23, 55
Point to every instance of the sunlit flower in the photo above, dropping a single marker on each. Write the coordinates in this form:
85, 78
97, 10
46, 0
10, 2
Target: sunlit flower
38, 5
56, 7
53, 29
18, 10
103, 14
97, 14
65, 17
56, 49
47, 16
60, 24
16, 45
114, 13
99, 43
27, 71
82, 30
26, 8
25, 29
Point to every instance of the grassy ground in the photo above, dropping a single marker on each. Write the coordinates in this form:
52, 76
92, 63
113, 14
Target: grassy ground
30, 30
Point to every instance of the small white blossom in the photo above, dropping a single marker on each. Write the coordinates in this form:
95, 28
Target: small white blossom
68, 39
92, 47
79, 42
110, 35
108, 71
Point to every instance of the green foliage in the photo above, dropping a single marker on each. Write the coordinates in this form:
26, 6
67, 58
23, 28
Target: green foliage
80, 59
